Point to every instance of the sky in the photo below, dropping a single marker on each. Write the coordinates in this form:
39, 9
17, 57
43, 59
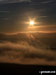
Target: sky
17, 45
13, 14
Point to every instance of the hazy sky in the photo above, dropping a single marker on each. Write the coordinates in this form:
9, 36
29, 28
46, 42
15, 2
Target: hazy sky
13, 13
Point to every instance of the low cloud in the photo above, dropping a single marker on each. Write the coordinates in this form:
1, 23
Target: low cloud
13, 1
24, 48
47, 1
25, 51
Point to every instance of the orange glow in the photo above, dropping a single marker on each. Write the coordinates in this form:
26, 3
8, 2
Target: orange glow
31, 23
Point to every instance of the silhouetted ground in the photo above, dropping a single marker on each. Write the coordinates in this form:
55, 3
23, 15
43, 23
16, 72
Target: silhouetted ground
18, 69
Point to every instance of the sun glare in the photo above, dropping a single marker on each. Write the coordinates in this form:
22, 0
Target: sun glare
31, 23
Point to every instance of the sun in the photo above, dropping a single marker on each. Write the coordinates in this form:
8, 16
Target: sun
31, 23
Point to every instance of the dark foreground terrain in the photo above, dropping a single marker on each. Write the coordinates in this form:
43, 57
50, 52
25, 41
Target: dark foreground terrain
17, 69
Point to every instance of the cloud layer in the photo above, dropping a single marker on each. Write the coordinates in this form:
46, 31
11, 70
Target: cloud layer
13, 1
25, 49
